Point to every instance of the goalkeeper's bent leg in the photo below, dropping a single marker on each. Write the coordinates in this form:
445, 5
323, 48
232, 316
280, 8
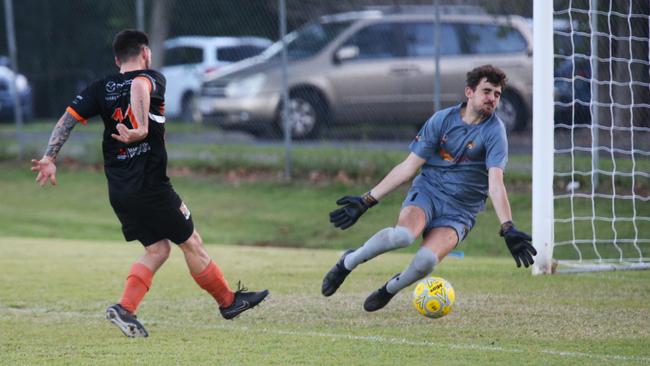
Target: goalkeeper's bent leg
421, 265
383, 241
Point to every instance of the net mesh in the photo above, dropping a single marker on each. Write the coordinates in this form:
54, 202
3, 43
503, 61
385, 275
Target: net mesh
602, 134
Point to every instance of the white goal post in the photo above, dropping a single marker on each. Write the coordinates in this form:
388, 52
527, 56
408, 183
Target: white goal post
542, 215
591, 135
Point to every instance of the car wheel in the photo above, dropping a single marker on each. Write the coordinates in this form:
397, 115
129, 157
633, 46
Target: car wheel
512, 113
190, 108
306, 115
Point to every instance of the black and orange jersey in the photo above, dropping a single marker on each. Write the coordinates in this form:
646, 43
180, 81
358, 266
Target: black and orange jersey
130, 168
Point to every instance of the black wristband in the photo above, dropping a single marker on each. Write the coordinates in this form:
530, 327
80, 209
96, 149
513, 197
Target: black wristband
506, 226
369, 200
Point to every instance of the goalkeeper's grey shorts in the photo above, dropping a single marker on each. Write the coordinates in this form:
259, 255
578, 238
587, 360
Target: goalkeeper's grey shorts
440, 212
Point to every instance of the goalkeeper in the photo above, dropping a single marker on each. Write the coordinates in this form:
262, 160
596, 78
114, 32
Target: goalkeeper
462, 152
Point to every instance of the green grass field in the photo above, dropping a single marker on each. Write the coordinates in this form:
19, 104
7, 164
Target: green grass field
53, 294
63, 261
53, 291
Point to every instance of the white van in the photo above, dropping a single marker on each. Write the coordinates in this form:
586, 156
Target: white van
188, 59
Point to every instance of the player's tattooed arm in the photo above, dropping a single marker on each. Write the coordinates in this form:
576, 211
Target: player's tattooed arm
60, 134
140, 102
143, 117
46, 167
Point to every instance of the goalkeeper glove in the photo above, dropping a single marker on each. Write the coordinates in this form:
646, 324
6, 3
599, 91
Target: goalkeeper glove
353, 208
519, 244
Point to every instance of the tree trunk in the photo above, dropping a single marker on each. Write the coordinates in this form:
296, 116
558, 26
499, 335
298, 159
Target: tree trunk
159, 30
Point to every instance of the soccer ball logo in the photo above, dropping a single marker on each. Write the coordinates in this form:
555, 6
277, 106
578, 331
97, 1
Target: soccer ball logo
433, 297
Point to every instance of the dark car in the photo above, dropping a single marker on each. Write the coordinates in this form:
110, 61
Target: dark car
572, 77
573, 91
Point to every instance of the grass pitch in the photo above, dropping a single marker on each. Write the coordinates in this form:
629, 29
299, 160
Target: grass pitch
259, 213
53, 294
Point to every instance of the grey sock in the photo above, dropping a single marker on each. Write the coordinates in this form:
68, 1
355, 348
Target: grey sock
386, 239
421, 265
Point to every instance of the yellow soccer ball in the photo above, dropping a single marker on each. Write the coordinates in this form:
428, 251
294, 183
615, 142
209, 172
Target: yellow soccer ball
433, 297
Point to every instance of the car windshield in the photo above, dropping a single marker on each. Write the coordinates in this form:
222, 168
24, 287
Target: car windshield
306, 41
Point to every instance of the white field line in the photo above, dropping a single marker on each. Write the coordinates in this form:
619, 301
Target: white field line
466, 346
370, 339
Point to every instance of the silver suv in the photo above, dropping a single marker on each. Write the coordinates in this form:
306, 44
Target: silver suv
370, 67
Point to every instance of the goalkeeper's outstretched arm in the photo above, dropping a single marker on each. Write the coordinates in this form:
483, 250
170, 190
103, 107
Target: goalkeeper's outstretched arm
354, 206
400, 174
499, 195
518, 242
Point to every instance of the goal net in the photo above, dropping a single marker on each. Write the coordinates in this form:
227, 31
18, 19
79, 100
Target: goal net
591, 166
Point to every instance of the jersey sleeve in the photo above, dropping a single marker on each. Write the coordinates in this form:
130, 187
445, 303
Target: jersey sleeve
496, 152
84, 106
156, 83
426, 142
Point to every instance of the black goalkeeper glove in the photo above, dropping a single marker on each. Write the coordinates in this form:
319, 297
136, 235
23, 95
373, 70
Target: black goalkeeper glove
353, 208
519, 244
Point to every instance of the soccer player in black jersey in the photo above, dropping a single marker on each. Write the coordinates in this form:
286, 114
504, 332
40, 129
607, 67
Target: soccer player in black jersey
132, 106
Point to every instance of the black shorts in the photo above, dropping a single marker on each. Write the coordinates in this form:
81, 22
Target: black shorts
153, 217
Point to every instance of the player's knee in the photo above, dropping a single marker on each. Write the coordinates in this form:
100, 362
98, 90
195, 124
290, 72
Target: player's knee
195, 239
193, 244
400, 236
160, 250
424, 261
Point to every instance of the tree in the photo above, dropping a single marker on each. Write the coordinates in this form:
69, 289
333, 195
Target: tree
159, 30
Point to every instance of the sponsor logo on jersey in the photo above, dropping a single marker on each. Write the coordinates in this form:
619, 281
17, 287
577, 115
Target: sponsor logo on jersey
130, 152
121, 154
445, 155
115, 88
110, 87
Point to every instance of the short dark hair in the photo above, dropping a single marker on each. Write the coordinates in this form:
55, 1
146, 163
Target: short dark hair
128, 43
493, 74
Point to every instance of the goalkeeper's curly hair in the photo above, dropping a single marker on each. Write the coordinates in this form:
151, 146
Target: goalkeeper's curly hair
493, 74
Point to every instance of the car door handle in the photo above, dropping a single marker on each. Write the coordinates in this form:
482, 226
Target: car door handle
405, 70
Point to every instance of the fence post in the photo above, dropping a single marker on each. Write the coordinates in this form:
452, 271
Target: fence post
286, 123
139, 13
13, 55
436, 80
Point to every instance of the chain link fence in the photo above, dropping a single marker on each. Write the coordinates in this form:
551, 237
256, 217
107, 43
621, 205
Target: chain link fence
355, 68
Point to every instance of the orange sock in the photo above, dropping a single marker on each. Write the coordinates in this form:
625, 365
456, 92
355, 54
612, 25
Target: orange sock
137, 284
211, 280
